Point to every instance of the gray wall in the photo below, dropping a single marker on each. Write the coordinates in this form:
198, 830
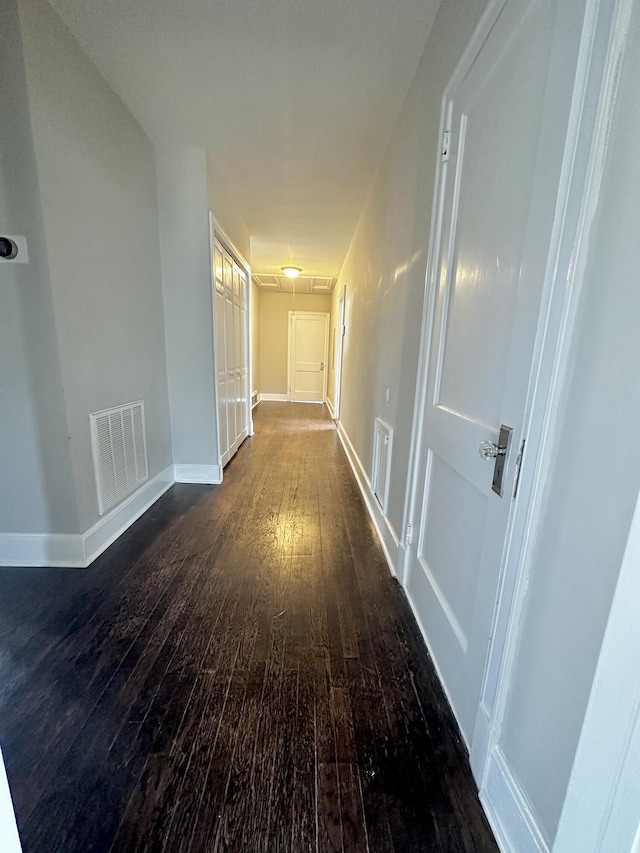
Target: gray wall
97, 184
84, 318
593, 486
384, 270
37, 494
186, 286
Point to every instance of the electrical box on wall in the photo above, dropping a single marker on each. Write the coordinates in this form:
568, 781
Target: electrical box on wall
13, 250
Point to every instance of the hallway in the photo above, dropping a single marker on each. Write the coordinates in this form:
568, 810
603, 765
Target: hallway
238, 672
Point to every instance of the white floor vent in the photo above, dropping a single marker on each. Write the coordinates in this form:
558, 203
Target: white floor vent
381, 468
119, 449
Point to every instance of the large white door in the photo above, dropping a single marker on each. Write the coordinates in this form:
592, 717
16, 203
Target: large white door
308, 340
231, 305
484, 322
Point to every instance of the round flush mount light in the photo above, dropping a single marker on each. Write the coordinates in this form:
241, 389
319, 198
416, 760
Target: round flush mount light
292, 272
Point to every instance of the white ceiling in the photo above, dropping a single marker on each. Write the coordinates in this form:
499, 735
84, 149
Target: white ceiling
294, 100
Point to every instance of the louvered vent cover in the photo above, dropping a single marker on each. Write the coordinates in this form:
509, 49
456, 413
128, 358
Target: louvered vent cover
381, 468
119, 452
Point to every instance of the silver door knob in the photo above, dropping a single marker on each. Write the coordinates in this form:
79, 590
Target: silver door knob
490, 450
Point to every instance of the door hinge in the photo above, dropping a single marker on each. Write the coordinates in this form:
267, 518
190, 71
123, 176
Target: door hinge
518, 469
408, 535
444, 151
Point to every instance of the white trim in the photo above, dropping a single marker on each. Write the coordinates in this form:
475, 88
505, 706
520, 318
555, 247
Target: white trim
98, 538
77, 551
42, 549
601, 811
386, 534
341, 329
9, 838
205, 474
511, 818
212, 270
331, 409
273, 398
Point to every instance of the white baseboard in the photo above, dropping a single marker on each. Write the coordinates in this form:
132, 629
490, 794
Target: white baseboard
273, 398
77, 551
205, 474
386, 534
508, 812
331, 409
481, 744
42, 549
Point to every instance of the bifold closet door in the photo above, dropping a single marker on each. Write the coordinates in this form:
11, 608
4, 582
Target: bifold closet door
221, 353
231, 294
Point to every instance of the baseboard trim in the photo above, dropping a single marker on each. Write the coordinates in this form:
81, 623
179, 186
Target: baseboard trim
35, 550
273, 398
205, 474
112, 525
386, 534
331, 409
481, 744
77, 551
513, 823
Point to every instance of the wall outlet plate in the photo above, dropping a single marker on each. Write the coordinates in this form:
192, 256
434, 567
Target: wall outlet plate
23, 255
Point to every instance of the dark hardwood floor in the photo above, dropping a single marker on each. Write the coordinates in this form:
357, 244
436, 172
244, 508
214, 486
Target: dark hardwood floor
238, 672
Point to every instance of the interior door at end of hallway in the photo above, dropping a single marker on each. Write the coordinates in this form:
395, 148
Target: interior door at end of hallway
308, 341
483, 333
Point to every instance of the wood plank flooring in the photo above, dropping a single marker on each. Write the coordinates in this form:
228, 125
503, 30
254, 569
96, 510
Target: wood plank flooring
238, 672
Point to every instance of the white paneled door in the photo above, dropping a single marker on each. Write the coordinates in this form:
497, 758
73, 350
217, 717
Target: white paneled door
231, 295
308, 342
491, 246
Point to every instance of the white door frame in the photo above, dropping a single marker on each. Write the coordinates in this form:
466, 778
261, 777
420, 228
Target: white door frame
601, 812
327, 317
217, 232
597, 63
340, 330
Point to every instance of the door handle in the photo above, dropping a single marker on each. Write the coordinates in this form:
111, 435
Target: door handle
499, 452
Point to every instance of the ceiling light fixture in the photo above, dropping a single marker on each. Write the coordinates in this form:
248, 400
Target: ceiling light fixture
292, 272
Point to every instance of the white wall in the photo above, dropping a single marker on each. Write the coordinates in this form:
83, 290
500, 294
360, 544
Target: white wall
37, 494
99, 207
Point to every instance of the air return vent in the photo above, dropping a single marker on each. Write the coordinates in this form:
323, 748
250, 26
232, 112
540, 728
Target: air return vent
381, 467
119, 452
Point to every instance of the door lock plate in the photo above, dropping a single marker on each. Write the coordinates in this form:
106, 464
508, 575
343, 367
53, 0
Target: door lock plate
502, 457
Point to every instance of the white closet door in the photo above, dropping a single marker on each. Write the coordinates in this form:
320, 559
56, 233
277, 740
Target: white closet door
221, 354
231, 307
230, 350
